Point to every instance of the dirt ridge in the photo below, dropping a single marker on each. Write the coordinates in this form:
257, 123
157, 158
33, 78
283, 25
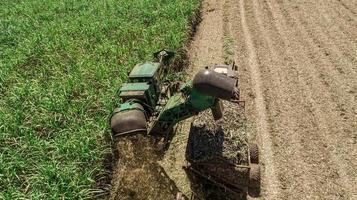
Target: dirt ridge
297, 68
266, 146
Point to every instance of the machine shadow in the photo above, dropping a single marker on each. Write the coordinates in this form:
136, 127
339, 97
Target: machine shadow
206, 165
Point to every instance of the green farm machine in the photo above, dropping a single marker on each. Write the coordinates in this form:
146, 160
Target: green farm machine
153, 105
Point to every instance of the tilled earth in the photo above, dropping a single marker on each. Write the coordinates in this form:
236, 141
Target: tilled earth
298, 75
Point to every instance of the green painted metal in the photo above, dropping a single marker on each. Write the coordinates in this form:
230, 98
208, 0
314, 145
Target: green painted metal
128, 106
146, 81
144, 70
150, 91
196, 99
144, 85
182, 105
199, 101
134, 87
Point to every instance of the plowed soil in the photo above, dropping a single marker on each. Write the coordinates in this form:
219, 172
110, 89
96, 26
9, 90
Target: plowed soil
298, 75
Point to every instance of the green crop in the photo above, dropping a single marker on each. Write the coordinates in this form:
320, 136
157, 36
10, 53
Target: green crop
61, 63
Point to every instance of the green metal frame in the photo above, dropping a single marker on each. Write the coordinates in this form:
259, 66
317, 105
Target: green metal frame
144, 70
182, 105
128, 106
150, 91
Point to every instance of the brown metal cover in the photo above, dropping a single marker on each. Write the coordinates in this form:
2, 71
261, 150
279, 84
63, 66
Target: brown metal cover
135, 94
128, 122
215, 84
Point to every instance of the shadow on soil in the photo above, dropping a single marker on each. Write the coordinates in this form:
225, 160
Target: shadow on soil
210, 170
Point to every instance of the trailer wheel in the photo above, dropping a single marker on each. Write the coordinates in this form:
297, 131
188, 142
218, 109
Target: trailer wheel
254, 176
254, 153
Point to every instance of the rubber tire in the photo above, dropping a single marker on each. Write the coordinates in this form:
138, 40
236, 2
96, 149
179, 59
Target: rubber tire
254, 176
254, 153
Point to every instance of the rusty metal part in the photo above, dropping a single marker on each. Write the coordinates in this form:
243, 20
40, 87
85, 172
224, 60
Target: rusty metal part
226, 185
128, 122
215, 84
254, 153
217, 110
134, 94
226, 174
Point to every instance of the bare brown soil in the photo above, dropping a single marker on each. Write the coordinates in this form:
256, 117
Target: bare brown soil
298, 75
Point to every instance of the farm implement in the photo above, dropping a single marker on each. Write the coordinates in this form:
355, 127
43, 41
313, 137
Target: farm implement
152, 105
